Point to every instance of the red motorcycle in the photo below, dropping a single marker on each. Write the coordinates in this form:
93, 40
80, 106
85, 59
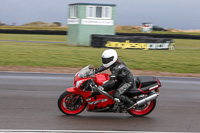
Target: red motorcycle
86, 93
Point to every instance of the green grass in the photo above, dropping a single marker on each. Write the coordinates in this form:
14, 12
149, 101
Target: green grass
185, 59
187, 43
168, 32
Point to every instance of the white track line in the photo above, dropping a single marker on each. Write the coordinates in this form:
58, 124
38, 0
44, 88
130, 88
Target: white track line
76, 131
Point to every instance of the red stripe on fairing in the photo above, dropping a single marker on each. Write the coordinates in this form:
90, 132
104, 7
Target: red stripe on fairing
158, 81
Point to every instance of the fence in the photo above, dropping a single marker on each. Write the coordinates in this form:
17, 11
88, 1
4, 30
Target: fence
49, 32
43, 32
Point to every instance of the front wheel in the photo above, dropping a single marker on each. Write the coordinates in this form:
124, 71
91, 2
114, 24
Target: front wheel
71, 104
143, 110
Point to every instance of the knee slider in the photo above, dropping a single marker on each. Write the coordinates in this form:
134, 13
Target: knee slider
116, 94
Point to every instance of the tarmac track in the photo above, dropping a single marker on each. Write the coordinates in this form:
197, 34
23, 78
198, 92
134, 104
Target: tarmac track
29, 101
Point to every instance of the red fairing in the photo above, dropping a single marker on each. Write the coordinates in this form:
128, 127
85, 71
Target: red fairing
102, 101
73, 90
101, 78
79, 80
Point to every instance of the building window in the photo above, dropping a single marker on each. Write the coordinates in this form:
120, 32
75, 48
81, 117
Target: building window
107, 12
101, 12
73, 12
90, 12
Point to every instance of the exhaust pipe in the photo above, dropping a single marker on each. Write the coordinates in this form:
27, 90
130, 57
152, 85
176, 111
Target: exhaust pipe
145, 100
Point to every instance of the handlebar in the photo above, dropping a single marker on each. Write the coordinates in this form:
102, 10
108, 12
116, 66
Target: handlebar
93, 85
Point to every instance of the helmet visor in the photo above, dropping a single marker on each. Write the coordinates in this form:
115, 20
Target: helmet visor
107, 60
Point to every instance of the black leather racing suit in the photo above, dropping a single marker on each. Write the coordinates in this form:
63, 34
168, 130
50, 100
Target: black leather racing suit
121, 73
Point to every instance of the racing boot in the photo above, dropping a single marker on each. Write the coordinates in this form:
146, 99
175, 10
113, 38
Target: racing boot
127, 100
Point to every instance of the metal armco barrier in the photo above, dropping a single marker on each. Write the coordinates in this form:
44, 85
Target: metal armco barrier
176, 36
132, 42
43, 32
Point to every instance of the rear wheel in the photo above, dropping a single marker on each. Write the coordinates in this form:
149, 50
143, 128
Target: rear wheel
143, 109
71, 104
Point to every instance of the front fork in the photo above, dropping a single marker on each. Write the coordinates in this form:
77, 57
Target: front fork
74, 90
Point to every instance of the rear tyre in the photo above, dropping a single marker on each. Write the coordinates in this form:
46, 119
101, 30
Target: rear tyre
71, 104
143, 110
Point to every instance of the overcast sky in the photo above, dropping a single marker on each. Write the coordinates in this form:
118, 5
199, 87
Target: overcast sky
177, 14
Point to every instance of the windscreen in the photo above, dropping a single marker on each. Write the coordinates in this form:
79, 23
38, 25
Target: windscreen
86, 72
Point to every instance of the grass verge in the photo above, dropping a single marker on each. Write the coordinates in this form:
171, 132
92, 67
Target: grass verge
32, 37
185, 59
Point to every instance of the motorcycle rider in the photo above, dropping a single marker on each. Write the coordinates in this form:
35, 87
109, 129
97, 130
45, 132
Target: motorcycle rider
120, 72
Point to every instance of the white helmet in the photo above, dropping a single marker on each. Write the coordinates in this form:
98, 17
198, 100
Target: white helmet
109, 57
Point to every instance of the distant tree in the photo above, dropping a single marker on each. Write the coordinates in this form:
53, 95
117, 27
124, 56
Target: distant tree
58, 23
1, 24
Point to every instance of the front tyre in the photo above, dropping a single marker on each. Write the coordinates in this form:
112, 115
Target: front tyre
71, 104
143, 110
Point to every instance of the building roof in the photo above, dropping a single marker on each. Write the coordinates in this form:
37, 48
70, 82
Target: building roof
95, 4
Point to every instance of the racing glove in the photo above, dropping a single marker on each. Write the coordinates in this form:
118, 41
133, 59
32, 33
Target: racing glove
100, 88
